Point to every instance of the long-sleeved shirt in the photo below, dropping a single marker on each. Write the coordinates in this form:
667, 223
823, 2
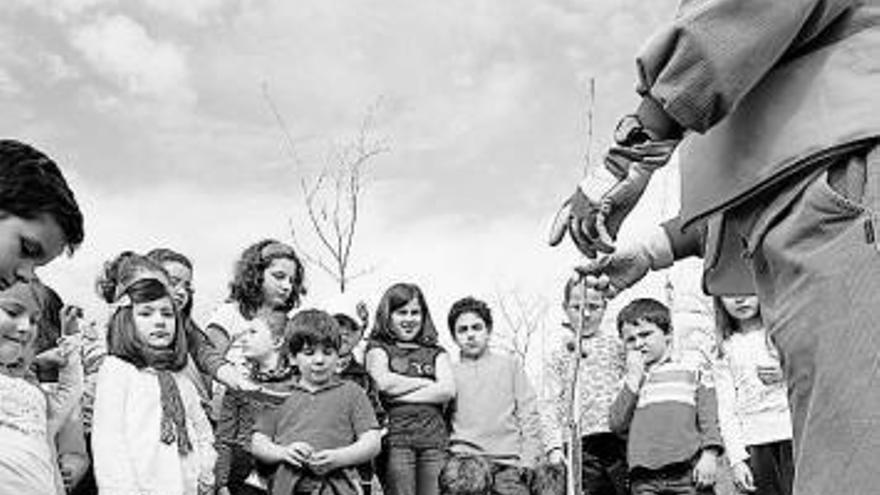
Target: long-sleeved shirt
601, 370
129, 455
750, 412
29, 421
496, 410
671, 418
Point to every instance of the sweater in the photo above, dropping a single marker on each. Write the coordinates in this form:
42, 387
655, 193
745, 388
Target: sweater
750, 412
495, 411
129, 456
671, 418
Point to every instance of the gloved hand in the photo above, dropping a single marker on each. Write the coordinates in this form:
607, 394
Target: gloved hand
615, 272
593, 224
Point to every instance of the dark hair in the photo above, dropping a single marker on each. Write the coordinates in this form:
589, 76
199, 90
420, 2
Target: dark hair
347, 322
645, 310
569, 286
246, 287
122, 339
469, 305
31, 184
466, 475
164, 255
48, 320
311, 328
396, 297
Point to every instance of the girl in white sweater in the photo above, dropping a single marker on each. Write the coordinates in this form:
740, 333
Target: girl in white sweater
752, 400
150, 435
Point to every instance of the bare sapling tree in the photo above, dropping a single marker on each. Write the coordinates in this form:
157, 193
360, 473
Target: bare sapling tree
524, 316
332, 197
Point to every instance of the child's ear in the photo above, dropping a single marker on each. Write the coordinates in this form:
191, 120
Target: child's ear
278, 343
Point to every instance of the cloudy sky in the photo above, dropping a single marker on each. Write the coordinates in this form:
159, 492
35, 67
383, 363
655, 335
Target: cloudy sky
157, 111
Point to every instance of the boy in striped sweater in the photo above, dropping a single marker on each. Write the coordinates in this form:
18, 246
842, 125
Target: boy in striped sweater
667, 407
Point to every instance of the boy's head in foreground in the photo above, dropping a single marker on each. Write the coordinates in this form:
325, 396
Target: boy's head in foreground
314, 346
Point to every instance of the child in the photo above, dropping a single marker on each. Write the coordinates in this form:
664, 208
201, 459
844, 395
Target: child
350, 369
495, 413
414, 376
602, 365
29, 418
326, 426
39, 216
267, 357
267, 284
752, 400
149, 432
667, 408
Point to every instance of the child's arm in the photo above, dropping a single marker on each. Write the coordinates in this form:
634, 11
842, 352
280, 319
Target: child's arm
622, 409
203, 441
264, 449
67, 395
527, 416
390, 383
728, 419
111, 451
551, 405
206, 355
226, 435
73, 457
365, 448
438, 391
711, 445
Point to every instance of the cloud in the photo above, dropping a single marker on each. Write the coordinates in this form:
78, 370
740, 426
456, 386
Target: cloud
8, 85
61, 10
192, 11
121, 49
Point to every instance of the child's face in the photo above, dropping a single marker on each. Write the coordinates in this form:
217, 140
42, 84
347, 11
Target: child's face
350, 338
26, 244
317, 364
180, 277
740, 308
278, 282
585, 307
17, 335
257, 341
471, 334
647, 338
406, 321
154, 322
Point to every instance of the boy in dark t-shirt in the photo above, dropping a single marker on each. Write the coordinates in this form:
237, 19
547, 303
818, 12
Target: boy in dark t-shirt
326, 426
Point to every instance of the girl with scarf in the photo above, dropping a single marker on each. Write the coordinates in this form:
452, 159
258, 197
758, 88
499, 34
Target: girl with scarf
149, 432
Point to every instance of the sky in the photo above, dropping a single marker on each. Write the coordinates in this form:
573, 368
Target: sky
159, 113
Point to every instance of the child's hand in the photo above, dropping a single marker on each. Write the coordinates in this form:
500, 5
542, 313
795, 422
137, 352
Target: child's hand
223, 491
73, 468
325, 461
635, 369
230, 376
298, 453
363, 313
556, 456
742, 477
770, 374
706, 469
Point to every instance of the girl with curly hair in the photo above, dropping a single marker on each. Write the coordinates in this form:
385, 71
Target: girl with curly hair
415, 381
268, 282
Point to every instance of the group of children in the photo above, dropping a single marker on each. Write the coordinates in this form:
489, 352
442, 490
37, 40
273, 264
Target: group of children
264, 402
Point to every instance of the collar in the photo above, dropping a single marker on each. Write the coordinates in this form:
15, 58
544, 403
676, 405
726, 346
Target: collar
334, 382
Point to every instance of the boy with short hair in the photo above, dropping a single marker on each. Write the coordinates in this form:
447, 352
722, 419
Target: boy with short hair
326, 426
39, 216
667, 408
495, 413
349, 368
602, 365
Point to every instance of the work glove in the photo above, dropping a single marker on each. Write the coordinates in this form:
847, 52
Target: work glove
593, 224
620, 270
